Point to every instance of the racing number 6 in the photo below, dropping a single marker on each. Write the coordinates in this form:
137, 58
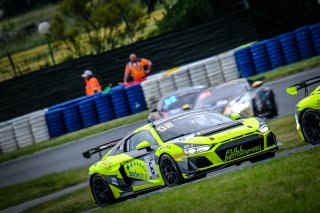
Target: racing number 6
151, 168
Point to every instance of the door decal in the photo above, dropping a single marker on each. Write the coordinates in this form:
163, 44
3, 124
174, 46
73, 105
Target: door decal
151, 167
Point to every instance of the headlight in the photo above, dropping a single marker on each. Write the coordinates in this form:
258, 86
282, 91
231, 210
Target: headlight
196, 149
264, 128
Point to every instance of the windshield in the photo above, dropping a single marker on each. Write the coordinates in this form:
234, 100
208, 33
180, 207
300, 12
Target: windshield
220, 95
189, 123
178, 101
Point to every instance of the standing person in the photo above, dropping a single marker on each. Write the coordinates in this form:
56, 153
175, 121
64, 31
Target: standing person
138, 68
92, 83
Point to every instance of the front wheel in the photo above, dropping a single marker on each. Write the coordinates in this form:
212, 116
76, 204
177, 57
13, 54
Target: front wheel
101, 191
170, 171
310, 125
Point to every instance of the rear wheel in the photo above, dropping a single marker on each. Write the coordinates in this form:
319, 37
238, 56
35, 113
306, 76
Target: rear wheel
310, 125
170, 171
101, 191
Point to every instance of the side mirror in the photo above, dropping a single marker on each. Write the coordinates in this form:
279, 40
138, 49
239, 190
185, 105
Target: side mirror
292, 90
235, 116
186, 107
257, 84
143, 145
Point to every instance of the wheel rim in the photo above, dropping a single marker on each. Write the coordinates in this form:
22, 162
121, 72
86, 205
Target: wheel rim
100, 190
311, 127
169, 171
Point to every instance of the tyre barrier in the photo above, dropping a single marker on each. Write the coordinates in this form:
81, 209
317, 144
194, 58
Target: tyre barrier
119, 101
72, 118
39, 127
244, 62
214, 71
88, 113
275, 52
55, 122
260, 57
68, 103
290, 47
198, 74
315, 33
7, 139
136, 99
181, 78
22, 132
229, 65
151, 90
166, 84
305, 43
104, 108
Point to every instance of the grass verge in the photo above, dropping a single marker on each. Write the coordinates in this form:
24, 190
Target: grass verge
73, 136
285, 130
276, 186
289, 69
19, 193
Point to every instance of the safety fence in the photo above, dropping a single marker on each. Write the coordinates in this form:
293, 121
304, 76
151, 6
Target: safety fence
122, 101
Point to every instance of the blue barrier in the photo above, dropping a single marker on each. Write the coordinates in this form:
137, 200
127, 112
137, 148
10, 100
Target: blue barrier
104, 107
119, 101
260, 57
245, 63
315, 32
55, 123
290, 47
275, 52
136, 98
305, 43
72, 118
88, 113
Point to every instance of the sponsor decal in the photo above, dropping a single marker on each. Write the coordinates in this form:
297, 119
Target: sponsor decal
107, 163
166, 146
180, 155
239, 152
114, 181
137, 175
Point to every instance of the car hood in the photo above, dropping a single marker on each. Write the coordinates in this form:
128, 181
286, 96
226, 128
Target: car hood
221, 134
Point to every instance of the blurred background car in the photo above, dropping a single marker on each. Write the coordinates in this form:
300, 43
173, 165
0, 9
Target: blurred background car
240, 96
175, 102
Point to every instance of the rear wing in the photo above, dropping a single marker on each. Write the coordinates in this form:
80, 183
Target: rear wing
99, 149
293, 90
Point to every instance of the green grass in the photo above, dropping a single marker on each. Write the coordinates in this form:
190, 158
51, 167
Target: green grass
285, 130
288, 184
289, 69
47, 184
72, 136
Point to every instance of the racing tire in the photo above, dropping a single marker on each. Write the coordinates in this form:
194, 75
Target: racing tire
170, 171
101, 191
310, 125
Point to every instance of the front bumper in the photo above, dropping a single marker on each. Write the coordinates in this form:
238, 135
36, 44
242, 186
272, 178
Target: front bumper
230, 152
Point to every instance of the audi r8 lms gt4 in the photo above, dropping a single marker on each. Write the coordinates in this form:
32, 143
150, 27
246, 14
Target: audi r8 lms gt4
170, 151
308, 111
241, 97
175, 102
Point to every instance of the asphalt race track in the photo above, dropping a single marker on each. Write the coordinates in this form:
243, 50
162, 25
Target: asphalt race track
69, 156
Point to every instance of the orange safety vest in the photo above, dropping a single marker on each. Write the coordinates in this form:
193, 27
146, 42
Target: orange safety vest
136, 69
92, 86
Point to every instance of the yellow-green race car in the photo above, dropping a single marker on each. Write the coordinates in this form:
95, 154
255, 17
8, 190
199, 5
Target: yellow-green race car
308, 111
170, 151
